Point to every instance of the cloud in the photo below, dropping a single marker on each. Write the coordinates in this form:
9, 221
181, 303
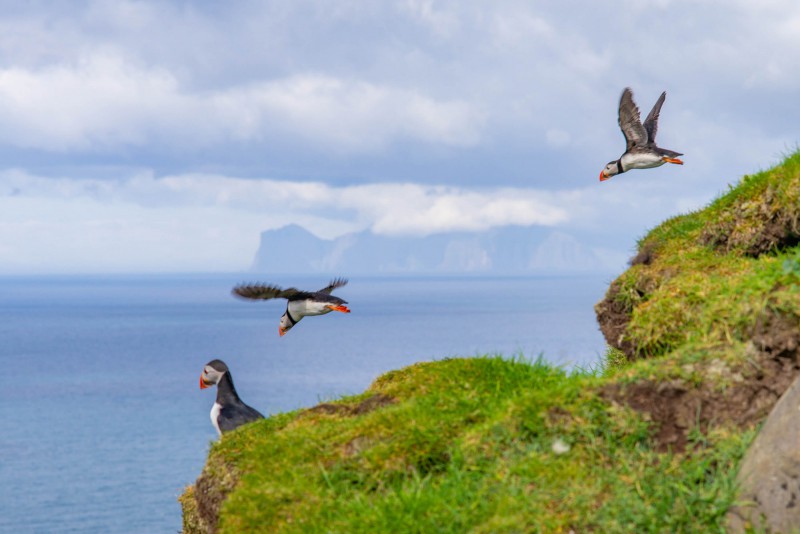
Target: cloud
144, 223
557, 138
394, 209
406, 117
442, 22
206, 222
104, 103
410, 87
412, 209
350, 115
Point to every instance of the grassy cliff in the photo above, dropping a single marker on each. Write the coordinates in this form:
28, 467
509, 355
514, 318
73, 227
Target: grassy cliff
704, 331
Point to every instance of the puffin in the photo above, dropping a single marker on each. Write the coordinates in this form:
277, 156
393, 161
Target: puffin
229, 412
300, 303
641, 151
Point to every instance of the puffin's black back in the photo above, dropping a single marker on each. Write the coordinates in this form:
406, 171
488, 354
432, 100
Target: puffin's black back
232, 417
233, 413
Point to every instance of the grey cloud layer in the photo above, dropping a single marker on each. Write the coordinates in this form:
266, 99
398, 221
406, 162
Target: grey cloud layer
406, 117
360, 76
104, 104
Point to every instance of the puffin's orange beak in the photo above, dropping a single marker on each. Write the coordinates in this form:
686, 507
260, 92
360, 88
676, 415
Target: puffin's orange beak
673, 160
603, 176
281, 331
203, 385
343, 309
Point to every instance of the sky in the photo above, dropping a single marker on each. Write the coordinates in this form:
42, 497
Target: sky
161, 136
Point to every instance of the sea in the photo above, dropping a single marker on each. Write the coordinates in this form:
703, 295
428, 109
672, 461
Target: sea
104, 423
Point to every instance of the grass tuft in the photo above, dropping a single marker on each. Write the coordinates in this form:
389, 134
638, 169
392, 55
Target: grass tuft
481, 444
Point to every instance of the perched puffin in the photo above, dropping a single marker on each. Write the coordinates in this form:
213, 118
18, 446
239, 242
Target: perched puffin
641, 151
301, 303
229, 412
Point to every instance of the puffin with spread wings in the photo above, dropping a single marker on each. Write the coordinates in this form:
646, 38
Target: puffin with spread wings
300, 303
641, 151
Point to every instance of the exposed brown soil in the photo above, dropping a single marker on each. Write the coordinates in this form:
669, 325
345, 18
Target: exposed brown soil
777, 335
676, 407
613, 316
755, 228
210, 491
367, 405
614, 311
645, 256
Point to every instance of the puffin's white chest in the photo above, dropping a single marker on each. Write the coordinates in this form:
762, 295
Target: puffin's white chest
641, 160
301, 308
215, 410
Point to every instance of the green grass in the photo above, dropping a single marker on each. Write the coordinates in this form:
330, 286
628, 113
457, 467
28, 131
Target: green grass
469, 445
696, 294
498, 445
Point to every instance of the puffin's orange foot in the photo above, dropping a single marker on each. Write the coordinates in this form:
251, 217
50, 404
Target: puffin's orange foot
672, 160
343, 309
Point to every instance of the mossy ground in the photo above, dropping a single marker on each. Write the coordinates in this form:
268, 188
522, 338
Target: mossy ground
705, 327
483, 445
714, 277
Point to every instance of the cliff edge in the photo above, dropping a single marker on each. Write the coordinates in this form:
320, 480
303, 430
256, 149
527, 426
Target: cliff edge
703, 330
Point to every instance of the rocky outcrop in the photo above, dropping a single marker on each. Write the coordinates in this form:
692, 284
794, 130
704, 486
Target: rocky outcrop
770, 473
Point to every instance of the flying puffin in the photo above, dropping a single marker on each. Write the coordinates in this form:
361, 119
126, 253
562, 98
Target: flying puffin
641, 151
229, 412
301, 303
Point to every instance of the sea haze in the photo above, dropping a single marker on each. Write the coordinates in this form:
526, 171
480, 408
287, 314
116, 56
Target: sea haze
104, 423
504, 251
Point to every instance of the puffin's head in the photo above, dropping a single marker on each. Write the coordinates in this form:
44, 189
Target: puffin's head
212, 373
610, 170
285, 325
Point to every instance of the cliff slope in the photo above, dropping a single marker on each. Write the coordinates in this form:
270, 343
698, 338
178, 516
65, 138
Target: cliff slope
704, 331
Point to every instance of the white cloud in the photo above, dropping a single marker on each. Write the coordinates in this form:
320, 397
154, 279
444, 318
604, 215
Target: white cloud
349, 114
103, 102
412, 209
212, 222
398, 209
442, 22
357, 80
557, 138
489, 95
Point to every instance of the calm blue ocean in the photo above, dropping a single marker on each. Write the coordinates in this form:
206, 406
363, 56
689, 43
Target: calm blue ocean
103, 422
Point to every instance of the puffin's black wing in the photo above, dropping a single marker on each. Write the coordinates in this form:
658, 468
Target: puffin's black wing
231, 417
651, 122
630, 121
336, 282
266, 292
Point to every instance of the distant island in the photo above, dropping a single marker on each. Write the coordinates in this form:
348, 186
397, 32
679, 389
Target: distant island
509, 250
